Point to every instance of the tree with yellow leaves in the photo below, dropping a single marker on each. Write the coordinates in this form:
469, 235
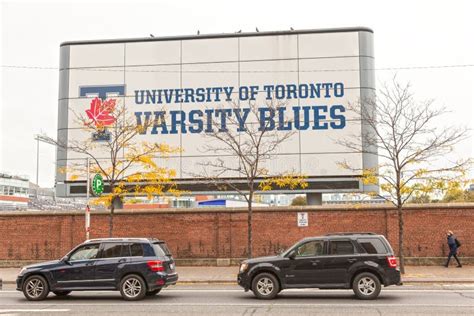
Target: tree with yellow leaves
407, 137
128, 166
253, 146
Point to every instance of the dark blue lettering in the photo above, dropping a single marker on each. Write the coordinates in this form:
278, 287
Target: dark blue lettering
335, 116
159, 122
282, 124
175, 121
241, 119
195, 117
318, 118
223, 113
267, 123
296, 111
137, 99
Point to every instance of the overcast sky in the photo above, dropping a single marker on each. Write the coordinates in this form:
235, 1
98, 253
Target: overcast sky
407, 34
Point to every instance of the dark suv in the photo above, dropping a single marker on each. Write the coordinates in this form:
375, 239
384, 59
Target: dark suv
361, 261
135, 266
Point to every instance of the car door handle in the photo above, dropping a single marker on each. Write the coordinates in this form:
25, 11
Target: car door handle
315, 262
89, 264
351, 260
122, 260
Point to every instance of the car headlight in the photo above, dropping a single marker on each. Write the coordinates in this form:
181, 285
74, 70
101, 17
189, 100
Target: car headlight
244, 267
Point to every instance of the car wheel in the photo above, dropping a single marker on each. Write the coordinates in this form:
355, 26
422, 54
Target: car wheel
265, 286
61, 293
154, 292
132, 287
35, 288
366, 286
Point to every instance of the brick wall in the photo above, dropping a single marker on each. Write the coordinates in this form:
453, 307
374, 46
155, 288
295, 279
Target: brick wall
222, 233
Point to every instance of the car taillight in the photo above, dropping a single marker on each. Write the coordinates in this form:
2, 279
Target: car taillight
392, 262
156, 265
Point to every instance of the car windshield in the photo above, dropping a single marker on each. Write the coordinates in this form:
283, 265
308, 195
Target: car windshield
285, 253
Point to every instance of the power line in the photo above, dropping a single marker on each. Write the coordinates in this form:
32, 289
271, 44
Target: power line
130, 69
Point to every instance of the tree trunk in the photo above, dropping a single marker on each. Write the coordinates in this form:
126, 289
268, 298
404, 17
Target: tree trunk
111, 219
400, 239
249, 228
116, 204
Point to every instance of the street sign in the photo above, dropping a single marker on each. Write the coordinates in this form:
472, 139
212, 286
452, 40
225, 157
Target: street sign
302, 219
97, 185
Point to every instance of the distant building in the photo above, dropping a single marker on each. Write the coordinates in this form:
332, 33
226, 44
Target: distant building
13, 192
352, 198
228, 203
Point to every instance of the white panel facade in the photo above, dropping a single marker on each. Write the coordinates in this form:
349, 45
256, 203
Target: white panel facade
152, 53
318, 72
97, 55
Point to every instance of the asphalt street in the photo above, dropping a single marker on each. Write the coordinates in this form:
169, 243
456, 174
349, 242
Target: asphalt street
231, 300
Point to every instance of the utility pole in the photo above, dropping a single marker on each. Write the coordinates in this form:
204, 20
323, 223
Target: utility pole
37, 164
88, 210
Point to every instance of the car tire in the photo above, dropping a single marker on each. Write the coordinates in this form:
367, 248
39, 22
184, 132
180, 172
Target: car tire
154, 292
61, 293
35, 288
366, 286
132, 287
265, 286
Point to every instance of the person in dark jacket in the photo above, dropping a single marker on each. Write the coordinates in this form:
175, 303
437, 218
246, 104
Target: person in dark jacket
453, 249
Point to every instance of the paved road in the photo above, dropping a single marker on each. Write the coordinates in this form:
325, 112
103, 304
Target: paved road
231, 300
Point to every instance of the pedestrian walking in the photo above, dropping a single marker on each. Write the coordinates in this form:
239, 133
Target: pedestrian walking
453, 244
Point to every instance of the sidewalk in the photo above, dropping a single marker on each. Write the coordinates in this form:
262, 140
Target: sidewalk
228, 275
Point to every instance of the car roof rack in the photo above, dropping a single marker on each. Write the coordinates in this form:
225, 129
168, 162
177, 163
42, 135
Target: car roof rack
350, 233
123, 239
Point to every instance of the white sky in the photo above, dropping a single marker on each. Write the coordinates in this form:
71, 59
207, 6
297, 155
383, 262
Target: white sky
407, 33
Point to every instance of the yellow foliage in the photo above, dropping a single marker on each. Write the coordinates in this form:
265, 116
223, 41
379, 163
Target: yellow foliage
288, 180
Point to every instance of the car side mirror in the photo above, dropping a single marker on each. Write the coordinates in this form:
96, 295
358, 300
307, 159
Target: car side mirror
65, 260
292, 254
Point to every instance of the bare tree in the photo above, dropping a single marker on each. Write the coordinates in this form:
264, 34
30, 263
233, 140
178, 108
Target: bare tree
407, 137
253, 144
128, 166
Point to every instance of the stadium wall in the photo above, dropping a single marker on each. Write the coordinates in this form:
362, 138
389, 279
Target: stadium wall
205, 235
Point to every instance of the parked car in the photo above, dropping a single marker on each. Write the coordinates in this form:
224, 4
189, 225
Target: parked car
361, 261
135, 266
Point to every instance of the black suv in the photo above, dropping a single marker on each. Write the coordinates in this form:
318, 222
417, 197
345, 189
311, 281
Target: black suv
135, 266
361, 261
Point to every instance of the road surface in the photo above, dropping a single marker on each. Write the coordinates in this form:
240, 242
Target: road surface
231, 300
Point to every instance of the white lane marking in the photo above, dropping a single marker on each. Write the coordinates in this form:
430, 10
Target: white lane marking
340, 304
2, 311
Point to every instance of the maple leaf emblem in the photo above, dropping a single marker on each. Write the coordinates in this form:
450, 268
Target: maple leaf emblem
100, 112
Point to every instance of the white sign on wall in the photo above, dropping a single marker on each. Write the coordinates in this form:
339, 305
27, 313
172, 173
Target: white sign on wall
302, 219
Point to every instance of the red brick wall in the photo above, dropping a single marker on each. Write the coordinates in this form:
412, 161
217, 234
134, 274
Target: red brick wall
222, 233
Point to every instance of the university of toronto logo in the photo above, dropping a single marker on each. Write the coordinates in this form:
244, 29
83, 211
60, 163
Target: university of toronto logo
101, 115
101, 111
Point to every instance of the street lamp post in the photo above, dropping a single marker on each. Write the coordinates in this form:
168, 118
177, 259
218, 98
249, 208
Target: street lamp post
46, 140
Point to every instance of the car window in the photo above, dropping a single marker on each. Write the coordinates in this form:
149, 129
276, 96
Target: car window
114, 250
341, 247
311, 248
373, 246
161, 250
136, 250
85, 252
